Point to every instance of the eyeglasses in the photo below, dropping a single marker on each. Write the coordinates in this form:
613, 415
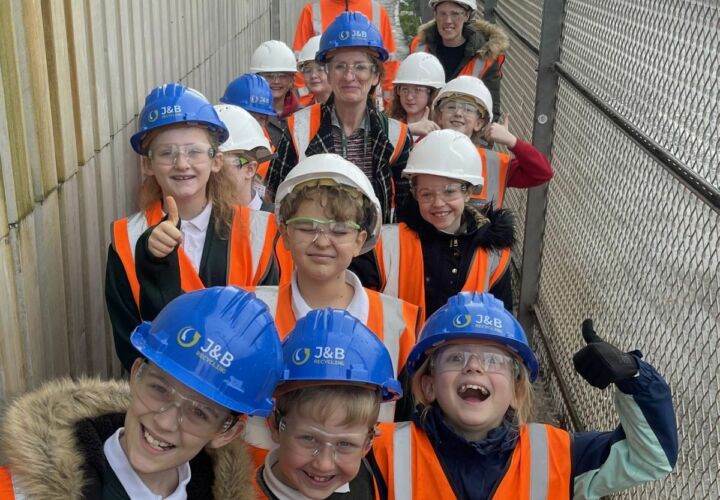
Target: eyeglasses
455, 358
310, 442
280, 77
450, 192
413, 90
361, 71
193, 417
167, 154
308, 69
307, 228
465, 108
237, 160
455, 15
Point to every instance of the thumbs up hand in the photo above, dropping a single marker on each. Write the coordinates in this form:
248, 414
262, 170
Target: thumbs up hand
600, 363
499, 133
424, 126
166, 236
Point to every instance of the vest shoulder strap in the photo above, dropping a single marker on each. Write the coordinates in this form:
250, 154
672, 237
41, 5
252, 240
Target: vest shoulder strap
316, 17
7, 490
376, 13
403, 461
397, 134
303, 125
125, 234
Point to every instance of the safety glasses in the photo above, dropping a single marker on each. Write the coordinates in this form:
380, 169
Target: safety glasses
307, 228
311, 442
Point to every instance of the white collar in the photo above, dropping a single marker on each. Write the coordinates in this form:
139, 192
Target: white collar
256, 202
359, 306
200, 221
280, 489
134, 486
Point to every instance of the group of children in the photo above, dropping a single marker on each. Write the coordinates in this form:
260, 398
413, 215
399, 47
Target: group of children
295, 343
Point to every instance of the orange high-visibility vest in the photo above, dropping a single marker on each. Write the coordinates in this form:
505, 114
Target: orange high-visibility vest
7, 491
252, 241
305, 123
474, 67
402, 272
540, 465
495, 167
392, 320
318, 14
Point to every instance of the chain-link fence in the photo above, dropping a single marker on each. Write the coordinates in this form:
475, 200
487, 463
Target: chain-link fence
632, 220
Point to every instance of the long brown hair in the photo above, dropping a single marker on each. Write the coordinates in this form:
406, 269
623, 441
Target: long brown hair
398, 112
221, 191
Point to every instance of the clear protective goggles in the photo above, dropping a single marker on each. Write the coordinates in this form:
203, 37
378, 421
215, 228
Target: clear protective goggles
168, 154
449, 192
452, 106
458, 357
308, 228
311, 441
194, 417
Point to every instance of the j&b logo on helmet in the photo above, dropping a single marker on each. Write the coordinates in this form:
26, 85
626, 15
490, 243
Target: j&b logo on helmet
256, 99
354, 34
211, 353
164, 112
320, 355
477, 321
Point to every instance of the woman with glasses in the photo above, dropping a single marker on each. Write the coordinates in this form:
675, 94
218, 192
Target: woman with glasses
348, 123
464, 44
418, 80
210, 359
275, 62
188, 201
445, 245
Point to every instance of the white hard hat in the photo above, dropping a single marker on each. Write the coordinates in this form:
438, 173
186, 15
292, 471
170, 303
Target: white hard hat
447, 153
273, 56
245, 132
338, 169
309, 50
467, 86
470, 4
421, 68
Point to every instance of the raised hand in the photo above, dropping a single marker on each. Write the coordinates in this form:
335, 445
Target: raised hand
166, 236
600, 363
424, 126
499, 133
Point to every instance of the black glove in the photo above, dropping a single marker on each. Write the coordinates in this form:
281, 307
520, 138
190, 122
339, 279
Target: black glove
600, 363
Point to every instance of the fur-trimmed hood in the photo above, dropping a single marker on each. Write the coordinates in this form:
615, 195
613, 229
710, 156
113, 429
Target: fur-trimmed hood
38, 438
484, 38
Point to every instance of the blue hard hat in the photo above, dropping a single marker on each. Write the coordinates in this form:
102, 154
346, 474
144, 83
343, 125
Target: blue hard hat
351, 30
175, 103
472, 316
331, 345
220, 342
252, 93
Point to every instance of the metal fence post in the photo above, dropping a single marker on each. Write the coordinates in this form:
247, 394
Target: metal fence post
489, 11
543, 126
275, 19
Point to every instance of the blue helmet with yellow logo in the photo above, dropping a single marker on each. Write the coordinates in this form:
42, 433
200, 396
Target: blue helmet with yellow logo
220, 342
331, 345
472, 316
351, 30
174, 103
252, 93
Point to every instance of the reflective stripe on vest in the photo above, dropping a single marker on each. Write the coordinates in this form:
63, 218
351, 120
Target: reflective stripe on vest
397, 134
376, 15
418, 45
249, 253
316, 17
303, 125
495, 168
542, 453
476, 67
402, 272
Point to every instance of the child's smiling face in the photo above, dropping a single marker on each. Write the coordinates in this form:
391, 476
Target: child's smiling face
473, 400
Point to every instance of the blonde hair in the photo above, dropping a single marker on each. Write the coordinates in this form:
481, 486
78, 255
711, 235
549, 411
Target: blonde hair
340, 203
361, 404
221, 191
523, 398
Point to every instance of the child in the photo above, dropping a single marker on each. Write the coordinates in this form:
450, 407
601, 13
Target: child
208, 358
418, 80
471, 371
178, 138
465, 105
445, 244
275, 62
336, 375
243, 152
317, 88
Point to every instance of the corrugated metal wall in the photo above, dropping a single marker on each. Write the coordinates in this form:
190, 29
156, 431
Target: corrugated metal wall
74, 75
